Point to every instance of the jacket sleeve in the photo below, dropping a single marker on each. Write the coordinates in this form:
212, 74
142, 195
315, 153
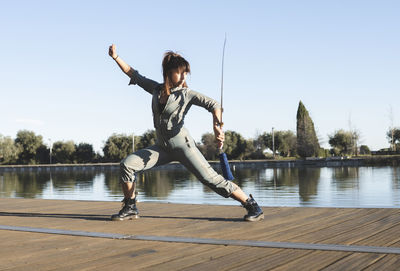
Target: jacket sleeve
199, 99
145, 83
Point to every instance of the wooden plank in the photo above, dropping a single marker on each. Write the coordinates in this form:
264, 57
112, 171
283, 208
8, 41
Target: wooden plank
302, 225
271, 261
261, 230
371, 228
78, 251
213, 258
135, 258
356, 261
331, 230
51, 252
33, 251
387, 263
242, 259
386, 236
316, 260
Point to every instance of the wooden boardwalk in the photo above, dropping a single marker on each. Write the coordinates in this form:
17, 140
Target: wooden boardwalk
54, 235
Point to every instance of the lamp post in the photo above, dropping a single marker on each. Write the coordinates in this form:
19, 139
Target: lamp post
51, 147
133, 142
273, 143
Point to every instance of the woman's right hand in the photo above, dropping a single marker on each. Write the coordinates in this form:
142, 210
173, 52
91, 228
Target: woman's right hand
219, 136
122, 64
112, 51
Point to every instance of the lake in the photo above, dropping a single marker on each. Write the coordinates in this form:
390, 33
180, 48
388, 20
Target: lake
302, 186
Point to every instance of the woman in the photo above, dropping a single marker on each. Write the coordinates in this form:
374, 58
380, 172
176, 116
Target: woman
171, 101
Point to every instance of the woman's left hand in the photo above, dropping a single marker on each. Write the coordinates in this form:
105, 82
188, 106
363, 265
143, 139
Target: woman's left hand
219, 135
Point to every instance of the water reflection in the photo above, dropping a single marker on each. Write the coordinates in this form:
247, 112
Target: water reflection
396, 177
345, 173
111, 181
346, 177
159, 184
305, 179
310, 186
308, 182
25, 184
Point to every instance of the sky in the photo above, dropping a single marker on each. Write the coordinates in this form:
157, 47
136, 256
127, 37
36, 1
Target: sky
340, 58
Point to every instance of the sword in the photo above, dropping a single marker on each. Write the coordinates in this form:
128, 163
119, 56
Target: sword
226, 171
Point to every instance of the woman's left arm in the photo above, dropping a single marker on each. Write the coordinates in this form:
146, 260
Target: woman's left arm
215, 108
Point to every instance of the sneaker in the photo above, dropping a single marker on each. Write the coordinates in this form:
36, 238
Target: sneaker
254, 212
128, 211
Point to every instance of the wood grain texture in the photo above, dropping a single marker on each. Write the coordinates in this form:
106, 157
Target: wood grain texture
38, 251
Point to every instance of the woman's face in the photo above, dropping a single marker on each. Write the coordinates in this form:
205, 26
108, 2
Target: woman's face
178, 77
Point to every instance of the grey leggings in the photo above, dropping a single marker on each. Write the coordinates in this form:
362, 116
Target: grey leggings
180, 148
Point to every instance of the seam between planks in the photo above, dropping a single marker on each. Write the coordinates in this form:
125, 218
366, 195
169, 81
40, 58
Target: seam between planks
210, 241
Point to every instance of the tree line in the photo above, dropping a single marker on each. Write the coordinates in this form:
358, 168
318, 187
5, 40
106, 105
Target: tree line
28, 148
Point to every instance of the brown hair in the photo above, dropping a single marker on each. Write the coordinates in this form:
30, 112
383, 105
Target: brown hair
170, 62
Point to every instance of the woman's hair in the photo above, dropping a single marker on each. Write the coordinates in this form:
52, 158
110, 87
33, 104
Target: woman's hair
170, 62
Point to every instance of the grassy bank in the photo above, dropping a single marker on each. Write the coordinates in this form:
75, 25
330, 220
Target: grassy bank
381, 160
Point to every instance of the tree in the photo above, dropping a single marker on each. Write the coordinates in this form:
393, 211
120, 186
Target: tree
307, 141
28, 142
390, 133
64, 152
84, 153
145, 140
342, 142
265, 141
364, 149
393, 136
235, 145
117, 147
355, 136
259, 147
42, 154
250, 150
8, 151
209, 146
285, 142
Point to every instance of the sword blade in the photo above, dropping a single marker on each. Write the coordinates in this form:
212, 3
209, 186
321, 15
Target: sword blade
222, 78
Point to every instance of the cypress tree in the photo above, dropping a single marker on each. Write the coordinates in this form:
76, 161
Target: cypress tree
307, 141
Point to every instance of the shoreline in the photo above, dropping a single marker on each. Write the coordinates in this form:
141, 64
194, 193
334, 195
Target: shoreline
309, 162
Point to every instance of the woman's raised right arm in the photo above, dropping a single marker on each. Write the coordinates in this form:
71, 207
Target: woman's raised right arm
122, 64
136, 79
